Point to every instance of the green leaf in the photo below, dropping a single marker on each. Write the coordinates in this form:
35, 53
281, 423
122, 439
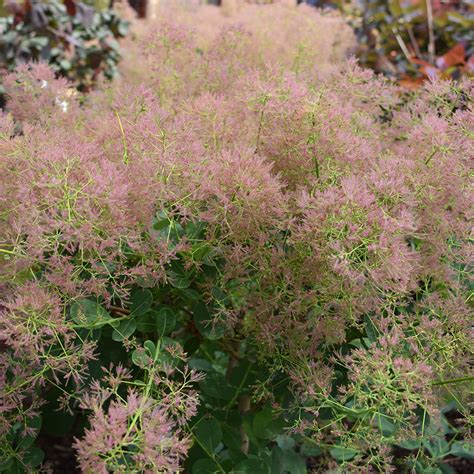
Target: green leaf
144, 356
190, 295
195, 230
206, 324
140, 358
251, 466
39, 41
219, 295
26, 441
341, 453
202, 365
445, 468
177, 275
208, 433
360, 343
161, 221
287, 462
33, 457
6, 464
437, 447
433, 428
146, 324
309, 448
89, 313
285, 442
262, 423
141, 302
35, 422
15, 467
200, 251
410, 444
462, 449
122, 28
216, 386
165, 320
166, 357
205, 466
232, 438
370, 329
459, 18
150, 347
124, 330
178, 280
65, 64
243, 375
446, 426
385, 425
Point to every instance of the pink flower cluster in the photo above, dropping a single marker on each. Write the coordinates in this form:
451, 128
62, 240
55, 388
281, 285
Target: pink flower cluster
131, 432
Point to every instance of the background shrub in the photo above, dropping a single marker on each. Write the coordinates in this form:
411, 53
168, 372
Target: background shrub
414, 39
79, 42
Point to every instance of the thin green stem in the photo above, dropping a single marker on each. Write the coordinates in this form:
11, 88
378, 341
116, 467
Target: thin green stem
469, 378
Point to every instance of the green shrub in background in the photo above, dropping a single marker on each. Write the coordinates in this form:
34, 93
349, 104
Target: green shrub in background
414, 37
78, 41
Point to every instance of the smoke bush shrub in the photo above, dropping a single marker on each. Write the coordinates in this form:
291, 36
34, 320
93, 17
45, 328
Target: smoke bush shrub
79, 42
245, 263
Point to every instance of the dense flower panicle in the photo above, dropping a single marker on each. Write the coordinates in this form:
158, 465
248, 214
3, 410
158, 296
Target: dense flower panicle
241, 194
33, 326
307, 43
79, 202
38, 345
36, 95
330, 197
151, 444
142, 430
38, 310
7, 125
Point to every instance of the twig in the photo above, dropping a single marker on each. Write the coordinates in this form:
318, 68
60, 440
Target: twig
118, 309
124, 140
452, 381
411, 35
413, 41
402, 45
431, 44
244, 407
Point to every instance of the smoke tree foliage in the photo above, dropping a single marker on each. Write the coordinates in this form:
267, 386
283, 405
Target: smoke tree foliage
250, 255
